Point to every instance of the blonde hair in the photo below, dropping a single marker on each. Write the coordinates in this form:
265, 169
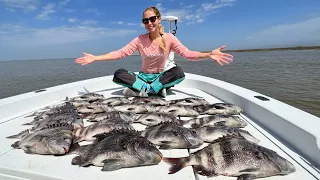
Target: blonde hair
163, 44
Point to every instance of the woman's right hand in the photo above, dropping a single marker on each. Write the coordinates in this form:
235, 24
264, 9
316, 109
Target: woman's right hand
86, 59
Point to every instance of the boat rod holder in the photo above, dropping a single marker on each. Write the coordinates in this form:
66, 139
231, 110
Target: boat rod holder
175, 30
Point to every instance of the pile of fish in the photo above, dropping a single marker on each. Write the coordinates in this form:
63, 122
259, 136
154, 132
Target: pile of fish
114, 143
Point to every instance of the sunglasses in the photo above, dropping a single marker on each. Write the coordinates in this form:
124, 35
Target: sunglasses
152, 19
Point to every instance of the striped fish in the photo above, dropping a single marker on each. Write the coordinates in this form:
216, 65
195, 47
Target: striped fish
116, 150
151, 119
95, 117
211, 133
104, 126
189, 101
216, 120
234, 156
172, 136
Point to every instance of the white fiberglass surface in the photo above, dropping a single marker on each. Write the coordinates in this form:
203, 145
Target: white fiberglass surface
17, 163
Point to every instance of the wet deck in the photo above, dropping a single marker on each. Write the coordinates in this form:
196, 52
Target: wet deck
16, 163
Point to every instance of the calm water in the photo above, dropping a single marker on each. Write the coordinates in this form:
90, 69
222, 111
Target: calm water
289, 76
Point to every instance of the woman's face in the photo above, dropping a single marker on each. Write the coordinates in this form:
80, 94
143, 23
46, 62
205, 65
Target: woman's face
150, 21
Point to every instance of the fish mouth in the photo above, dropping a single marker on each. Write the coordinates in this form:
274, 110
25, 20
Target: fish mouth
158, 157
65, 149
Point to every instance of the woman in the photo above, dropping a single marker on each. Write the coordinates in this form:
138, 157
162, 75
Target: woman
154, 48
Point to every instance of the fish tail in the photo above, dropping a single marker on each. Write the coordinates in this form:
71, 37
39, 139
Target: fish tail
177, 164
18, 136
77, 134
77, 161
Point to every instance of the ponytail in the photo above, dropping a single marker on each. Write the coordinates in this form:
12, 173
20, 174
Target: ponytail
163, 44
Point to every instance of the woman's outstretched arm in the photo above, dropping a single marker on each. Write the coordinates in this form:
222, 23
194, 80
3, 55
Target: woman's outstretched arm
129, 49
183, 51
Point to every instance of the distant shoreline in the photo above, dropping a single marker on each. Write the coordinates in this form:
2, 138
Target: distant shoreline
231, 50
273, 49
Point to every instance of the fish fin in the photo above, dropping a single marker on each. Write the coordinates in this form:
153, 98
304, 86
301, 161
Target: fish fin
28, 150
246, 177
79, 161
56, 125
27, 124
228, 137
32, 114
201, 171
249, 170
177, 164
20, 135
16, 145
111, 164
76, 139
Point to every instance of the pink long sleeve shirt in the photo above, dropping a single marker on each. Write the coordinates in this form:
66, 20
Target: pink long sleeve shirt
153, 58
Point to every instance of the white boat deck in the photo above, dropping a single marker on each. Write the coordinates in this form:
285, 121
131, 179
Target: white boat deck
15, 164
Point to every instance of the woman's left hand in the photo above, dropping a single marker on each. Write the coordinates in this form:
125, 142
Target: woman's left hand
220, 57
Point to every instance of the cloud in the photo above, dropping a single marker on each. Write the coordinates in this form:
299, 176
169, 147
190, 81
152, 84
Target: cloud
94, 11
21, 36
303, 32
63, 3
50, 9
70, 10
26, 5
88, 22
47, 10
123, 23
10, 9
72, 20
191, 14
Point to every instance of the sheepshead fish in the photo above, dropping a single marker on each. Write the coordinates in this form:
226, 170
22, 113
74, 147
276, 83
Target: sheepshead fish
74, 119
113, 101
55, 139
234, 156
172, 136
104, 126
217, 120
117, 150
95, 117
178, 110
149, 100
190, 101
211, 133
221, 108
58, 109
56, 113
151, 119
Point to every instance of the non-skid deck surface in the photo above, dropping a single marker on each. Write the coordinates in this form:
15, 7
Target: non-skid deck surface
16, 162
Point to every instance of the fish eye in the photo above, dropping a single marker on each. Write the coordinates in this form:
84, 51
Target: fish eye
218, 107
